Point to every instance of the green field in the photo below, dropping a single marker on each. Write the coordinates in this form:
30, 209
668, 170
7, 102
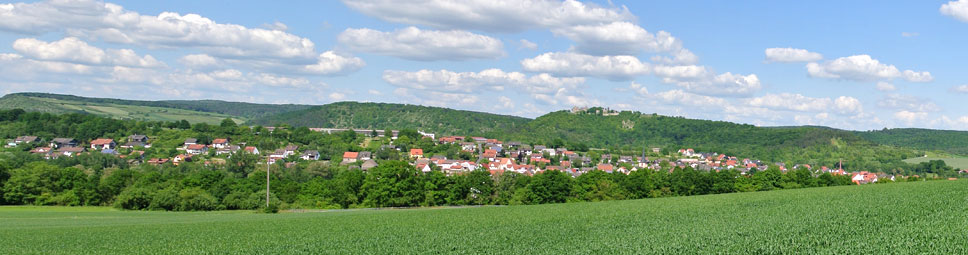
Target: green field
920, 217
117, 111
958, 163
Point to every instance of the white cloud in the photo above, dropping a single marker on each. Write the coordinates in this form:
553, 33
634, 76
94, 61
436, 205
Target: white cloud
73, 50
848, 105
425, 45
472, 82
616, 68
199, 61
960, 88
793, 102
910, 103
491, 16
112, 23
14, 66
542, 87
525, 44
276, 26
863, 68
885, 86
331, 63
910, 34
617, 38
680, 57
788, 55
910, 117
374, 92
336, 96
957, 9
639, 89
699, 80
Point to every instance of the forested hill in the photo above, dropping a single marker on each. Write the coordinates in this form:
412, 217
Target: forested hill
57, 103
955, 142
398, 116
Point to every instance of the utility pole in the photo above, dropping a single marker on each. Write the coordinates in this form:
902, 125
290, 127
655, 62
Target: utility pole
267, 183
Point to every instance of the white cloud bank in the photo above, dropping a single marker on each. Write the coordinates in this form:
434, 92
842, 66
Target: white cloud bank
424, 45
956, 9
791, 55
863, 68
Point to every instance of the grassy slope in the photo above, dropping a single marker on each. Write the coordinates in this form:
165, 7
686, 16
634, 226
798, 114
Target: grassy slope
922, 217
118, 111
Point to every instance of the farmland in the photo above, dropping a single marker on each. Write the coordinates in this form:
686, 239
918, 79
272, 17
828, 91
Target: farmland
918, 217
956, 162
116, 111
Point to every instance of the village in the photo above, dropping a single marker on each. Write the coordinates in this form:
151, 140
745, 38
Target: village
491, 155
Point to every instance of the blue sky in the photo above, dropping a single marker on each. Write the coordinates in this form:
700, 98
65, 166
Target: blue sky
854, 65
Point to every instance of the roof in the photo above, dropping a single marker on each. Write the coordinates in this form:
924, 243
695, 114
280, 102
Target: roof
220, 140
191, 140
102, 141
196, 146
350, 154
369, 164
137, 137
416, 151
63, 140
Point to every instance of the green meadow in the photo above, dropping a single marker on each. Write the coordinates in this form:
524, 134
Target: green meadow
917, 217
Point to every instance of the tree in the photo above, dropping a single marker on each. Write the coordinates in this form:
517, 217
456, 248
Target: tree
551, 187
392, 184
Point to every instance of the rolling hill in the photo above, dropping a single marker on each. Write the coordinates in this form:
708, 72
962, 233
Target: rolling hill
954, 142
210, 111
398, 116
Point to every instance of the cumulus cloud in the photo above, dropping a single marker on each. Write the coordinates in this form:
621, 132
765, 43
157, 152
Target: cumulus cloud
617, 38
73, 50
863, 68
960, 89
199, 61
525, 44
490, 16
789, 55
910, 103
910, 117
112, 23
956, 9
616, 68
424, 45
885, 86
331, 63
793, 102
698, 79
542, 87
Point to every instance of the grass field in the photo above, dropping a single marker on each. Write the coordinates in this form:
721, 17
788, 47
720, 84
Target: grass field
958, 163
920, 217
116, 111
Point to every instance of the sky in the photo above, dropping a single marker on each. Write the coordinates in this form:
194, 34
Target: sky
858, 65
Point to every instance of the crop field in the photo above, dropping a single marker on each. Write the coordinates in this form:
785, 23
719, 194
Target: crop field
919, 217
956, 162
118, 111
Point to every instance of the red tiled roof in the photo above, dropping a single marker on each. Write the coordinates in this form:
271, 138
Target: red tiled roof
102, 141
220, 140
416, 151
350, 154
196, 146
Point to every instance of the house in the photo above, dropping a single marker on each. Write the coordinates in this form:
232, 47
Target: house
489, 154
219, 143
290, 150
227, 150
109, 152
24, 139
310, 155
181, 158
138, 138
63, 142
190, 141
252, 150
46, 152
195, 149
468, 146
608, 168
158, 161
103, 144
365, 155
350, 157
416, 153
135, 144
70, 151
368, 164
